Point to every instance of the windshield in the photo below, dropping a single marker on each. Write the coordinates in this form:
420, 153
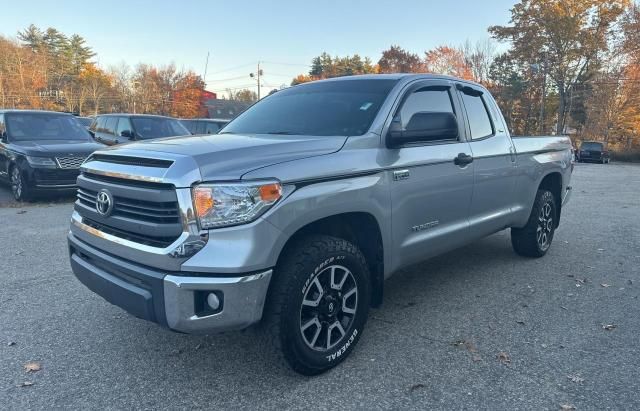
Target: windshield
591, 146
85, 121
331, 108
157, 127
44, 126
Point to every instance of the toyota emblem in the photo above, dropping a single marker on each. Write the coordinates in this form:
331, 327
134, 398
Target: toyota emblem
104, 203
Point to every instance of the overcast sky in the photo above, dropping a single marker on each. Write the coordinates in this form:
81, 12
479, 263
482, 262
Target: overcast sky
285, 35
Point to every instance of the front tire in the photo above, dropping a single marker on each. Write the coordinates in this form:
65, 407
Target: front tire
19, 186
318, 303
534, 239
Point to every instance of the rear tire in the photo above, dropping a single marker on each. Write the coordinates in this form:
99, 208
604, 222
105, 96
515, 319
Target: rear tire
534, 239
318, 304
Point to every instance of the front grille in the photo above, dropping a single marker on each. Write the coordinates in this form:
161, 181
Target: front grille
67, 163
164, 212
143, 212
160, 242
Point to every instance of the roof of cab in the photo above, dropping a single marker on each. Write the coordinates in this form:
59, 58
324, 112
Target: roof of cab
401, 76
15, 110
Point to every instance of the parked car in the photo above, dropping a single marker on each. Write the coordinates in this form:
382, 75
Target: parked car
85, 121
299, 210
594, 151
42, 151
203, 125
112, 129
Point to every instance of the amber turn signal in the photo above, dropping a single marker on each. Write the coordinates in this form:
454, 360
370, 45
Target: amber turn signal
270, 193
203, 200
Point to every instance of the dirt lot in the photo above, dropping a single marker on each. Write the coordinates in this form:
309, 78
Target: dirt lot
476, 328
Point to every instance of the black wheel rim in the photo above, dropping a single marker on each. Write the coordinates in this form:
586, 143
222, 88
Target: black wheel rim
16, 183
545, 226
328, 308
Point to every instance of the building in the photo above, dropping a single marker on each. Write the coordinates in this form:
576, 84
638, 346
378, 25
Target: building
224, 109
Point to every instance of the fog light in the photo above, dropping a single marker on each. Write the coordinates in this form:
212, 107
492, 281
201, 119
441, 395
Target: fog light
213, 301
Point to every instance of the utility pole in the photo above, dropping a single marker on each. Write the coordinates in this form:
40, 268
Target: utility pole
257, 76
206, 66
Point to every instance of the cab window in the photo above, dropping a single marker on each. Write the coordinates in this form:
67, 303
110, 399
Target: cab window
477, 114
426, 100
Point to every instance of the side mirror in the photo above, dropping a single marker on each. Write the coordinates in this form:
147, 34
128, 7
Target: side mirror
423, 127
127, 134
3, 137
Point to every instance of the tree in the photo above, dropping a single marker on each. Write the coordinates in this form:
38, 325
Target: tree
96, 84
398, 60
187, 96
566, 35
479, 57
244, 95
449, 61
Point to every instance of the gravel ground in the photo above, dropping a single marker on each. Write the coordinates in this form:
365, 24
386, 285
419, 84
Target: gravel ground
477, 328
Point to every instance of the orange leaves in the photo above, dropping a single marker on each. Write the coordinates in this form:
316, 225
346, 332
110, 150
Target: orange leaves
448, 60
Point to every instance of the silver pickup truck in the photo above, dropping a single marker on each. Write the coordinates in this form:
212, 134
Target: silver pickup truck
294, 215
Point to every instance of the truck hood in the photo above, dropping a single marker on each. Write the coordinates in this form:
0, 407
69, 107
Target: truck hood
230, 156
56, 148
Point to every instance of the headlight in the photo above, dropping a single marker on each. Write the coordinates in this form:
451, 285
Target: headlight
43, 162
226, 204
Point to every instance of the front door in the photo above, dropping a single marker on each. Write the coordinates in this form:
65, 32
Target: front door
430, 189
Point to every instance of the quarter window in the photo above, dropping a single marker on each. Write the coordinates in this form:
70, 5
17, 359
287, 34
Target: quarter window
479, 120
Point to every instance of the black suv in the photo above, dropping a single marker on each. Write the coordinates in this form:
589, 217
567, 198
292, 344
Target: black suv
41, 150
112, 129
203, 125
593, 151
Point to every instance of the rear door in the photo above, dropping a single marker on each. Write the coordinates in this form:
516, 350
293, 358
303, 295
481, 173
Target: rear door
494, 158
430, 192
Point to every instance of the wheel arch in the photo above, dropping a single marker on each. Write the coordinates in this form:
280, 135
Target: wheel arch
360, 228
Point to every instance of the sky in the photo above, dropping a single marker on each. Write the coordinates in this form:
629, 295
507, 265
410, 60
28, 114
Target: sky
283, 35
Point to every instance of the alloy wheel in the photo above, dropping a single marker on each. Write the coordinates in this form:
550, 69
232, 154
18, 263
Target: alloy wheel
16, 183
328, 308
545, 227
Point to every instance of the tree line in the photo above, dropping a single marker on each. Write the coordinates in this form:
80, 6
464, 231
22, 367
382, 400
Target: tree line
46, 69
570, 67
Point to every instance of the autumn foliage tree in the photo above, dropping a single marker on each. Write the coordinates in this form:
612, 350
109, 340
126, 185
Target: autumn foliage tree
566, 37
449, 61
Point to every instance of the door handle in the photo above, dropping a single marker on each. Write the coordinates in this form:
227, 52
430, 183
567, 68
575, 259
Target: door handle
463, 159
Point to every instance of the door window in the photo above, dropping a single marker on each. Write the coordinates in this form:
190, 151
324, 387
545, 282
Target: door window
124, 126
99, 124
426, 100
2, 128
110, 125
479, 121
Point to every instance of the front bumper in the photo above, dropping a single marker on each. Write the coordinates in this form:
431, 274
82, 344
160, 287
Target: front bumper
53, 179
168, 298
